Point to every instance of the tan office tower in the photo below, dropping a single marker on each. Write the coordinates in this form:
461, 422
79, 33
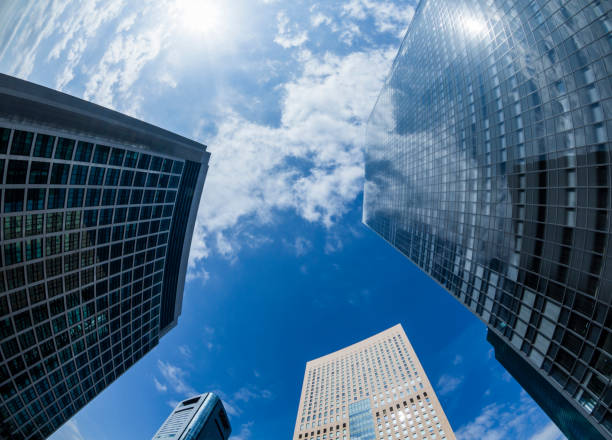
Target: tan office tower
375, 389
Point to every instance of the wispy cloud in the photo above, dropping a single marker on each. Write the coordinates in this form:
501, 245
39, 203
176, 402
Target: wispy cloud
245, 432
288, 35
301, 246
522, 420
447, 384
185, 351
159, 386
176, 378
245, 394
69, 431
388, 16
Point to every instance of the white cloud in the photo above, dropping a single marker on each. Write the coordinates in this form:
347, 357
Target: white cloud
458, 360
159, 386
69, 431
549, 432
184, 350
301, 246
175, 376
245, 394
388, 16
311, 164
288, 36
198, 273
522, 420
77, 31
447, 384
319, 18
245, 432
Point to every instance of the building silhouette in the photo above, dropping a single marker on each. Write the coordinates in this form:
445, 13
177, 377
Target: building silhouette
488, 166
198, 418
375, 389
96, 216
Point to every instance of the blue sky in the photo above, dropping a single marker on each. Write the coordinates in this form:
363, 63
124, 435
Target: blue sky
282, 270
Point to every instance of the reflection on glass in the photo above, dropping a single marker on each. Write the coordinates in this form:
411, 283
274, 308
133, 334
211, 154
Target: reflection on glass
488, 165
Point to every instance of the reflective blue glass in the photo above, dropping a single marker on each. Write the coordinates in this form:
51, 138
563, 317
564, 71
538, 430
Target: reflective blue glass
488, 165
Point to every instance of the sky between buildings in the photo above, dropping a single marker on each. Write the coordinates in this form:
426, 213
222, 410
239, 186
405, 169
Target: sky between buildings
282, 270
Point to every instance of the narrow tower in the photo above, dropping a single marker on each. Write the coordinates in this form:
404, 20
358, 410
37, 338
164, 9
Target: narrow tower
198, 418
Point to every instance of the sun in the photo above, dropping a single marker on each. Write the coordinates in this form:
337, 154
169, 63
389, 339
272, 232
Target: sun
202, 17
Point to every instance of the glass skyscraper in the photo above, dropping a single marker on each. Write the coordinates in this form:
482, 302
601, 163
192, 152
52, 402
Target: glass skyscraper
375, 389
488, 165
96, 217
198, 418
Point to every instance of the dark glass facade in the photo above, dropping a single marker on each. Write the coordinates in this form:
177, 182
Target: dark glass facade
198, 418
96, 215
488, 165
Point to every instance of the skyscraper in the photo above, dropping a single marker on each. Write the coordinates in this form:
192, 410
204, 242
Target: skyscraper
198, 418
488, 165
375, 389
96, 218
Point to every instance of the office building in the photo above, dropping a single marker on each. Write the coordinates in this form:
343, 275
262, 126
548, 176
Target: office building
96, 216
488, 166
198, 418
375, 389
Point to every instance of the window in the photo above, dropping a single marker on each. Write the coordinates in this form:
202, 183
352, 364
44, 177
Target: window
108, 197
156, 163
73, 220
79, 175
75, 198
53, 245
13, 227
152, 180
90, 218
56, 199
71, 242
117, 157
55, 222
83, 152
43, 146
13, 200
101, 154
22, 143
5, 134
59, 174
130, 159
126, 178
36, 199
177, 167
140, 179
16, 172
71, 262
13, 254
167, 166
33, 224
36, 272
33, 250
106, 217
96, 177
143, 162
39, 173
64, 149
93, 197
136, 198
112, 177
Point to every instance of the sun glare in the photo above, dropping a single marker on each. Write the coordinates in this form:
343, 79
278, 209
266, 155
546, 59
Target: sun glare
202, 17
474, 26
